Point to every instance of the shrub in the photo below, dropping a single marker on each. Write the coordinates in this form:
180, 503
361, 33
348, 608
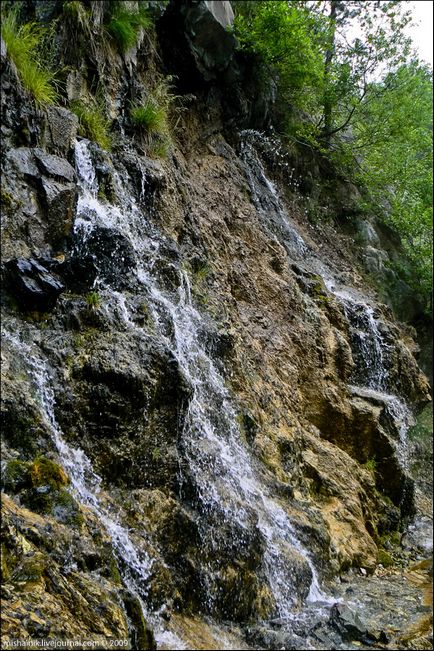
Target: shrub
124, 25
23, 43
93, 123
153, 118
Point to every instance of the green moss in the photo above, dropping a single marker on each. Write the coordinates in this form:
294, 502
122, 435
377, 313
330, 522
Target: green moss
16, 475
6, 200
30, 569
371, 466
384, 558
4, 563
65, 509
44, 472
114, 571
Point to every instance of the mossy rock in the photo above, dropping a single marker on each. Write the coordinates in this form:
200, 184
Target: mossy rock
44, 472
57, 503
15, 476
4, 567
30, 569
142, 635
384, 558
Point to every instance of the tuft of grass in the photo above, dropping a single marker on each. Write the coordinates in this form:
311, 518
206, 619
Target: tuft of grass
92, 123
150, 117
23, 43
93, 300
124, 25
154, 118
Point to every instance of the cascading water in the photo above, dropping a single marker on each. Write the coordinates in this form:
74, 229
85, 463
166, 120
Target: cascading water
370, 350
371, 353
85, 483
266, 197
227, 488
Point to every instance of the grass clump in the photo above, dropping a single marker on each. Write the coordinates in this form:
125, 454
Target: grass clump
371, 466
153, 118
123, 25
92, 123
150, 117
93, 300
23, 44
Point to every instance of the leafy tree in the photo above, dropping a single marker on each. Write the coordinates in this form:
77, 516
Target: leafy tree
281, 33
396, 165
351, 63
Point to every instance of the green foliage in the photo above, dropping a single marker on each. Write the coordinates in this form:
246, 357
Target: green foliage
395, 134
154, 118
93, 123
281, 35
93, 300
124, 25
423, 429
150, 117
23, 45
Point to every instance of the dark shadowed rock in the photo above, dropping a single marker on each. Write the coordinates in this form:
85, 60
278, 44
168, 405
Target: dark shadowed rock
32, 284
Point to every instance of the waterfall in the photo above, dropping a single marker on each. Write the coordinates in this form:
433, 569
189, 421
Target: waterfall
370, 350
227, 486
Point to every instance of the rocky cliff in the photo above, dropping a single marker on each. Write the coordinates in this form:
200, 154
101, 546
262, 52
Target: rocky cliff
205, 404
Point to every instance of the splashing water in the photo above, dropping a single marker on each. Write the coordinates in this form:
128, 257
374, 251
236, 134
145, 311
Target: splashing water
219, 466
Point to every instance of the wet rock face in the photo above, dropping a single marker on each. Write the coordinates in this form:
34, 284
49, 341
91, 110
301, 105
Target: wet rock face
105, 254
43, 199
282, 351
49, 589
126, 408
32, 285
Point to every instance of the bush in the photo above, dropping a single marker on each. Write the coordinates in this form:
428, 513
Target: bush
93, 123
124, 25
23, 43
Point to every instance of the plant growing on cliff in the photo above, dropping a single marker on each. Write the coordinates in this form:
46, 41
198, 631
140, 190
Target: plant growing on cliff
93, 300
149, 116
23, 45
123, 25
92, 122
152, 118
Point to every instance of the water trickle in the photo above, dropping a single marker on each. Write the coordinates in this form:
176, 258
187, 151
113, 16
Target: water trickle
266, 198
371, 352
85, 483
227, 489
